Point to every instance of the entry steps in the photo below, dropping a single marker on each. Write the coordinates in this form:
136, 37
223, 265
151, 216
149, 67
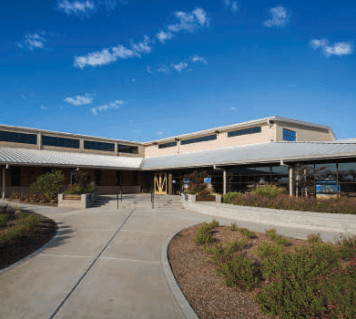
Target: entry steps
138, 201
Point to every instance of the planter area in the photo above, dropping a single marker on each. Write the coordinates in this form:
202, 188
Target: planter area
206, 198
77, 201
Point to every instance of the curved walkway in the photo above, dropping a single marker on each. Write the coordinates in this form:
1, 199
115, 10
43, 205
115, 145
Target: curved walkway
103, 263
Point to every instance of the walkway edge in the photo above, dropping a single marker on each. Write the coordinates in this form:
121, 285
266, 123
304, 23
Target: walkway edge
178, 295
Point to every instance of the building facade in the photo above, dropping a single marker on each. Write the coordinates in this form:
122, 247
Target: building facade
274, 150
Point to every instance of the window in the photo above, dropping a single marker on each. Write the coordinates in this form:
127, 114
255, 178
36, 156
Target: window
127, 149
97, 178
251, 130
169, 144
6, 136
199, 139
289, 135
16, 176
99, 146
59, 141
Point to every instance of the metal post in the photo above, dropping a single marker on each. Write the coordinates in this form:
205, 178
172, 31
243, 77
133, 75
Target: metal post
152, 198
117, 201
121, 193
3, 182
291, 180
224, 181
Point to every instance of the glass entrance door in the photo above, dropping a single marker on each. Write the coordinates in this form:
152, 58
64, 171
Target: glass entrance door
160, 183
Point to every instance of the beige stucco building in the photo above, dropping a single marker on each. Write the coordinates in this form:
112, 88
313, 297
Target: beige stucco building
267, 149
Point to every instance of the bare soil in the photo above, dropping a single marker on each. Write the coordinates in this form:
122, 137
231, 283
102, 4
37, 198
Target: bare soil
199, 283
12, 251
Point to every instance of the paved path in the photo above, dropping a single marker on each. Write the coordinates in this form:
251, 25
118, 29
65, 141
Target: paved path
104, 263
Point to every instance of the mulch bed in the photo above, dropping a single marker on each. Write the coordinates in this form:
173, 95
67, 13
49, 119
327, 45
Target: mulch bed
11, 252
199, 283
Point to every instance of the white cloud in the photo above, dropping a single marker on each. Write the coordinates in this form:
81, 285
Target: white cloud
149, 70
189, 22
232, 5
197, 58
164, 36
79, 100
76, 7
338, 48
163, 69
160, 133
279, 18
233, 108
180, 66
33, 41
110, 55
105, 107
43, 108
317, 43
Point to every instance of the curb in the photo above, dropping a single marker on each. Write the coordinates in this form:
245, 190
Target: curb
178, 295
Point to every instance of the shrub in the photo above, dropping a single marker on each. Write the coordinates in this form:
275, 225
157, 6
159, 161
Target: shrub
314, 238
266, 250
347, 247
268, 191
214, 223
245, 232
204, 235
49, 184
25, 224
4, 217
79, 189
228, 198
233, 227
235, 269
296, 286
278, 239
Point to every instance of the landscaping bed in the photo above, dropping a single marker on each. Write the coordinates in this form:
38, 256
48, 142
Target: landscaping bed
21, 233
217, 288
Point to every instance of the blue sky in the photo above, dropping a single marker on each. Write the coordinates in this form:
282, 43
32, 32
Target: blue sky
143, 70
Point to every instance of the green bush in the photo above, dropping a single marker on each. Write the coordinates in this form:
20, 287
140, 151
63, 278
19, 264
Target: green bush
347, 247
25, 224
49, 184
235, 269
296, 285
229, 197
278, 239
4, 217
268, 191
314, 238
266, 250
204, 235
233, 227
245, 232
79, 189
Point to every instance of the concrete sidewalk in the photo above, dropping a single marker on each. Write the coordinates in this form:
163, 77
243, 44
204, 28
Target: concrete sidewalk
107, 263
104, 263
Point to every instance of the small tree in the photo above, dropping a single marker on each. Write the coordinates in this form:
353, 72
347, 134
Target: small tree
49, 184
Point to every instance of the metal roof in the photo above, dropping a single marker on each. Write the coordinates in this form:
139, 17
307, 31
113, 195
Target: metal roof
35, 157
254, 153
244, 154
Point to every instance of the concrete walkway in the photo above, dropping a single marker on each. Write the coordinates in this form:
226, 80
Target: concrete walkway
103, 263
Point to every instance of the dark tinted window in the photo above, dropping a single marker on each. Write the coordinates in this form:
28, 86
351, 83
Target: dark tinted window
122, 148
18, 137
99, 146
251, 130
169, 144
59, 141
199, 139
16, 176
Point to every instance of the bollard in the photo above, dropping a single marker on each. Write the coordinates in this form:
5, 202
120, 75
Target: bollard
117, 201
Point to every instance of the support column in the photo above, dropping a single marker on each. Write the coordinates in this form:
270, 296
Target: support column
170, 184
3, 182
224, 181
291, 181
